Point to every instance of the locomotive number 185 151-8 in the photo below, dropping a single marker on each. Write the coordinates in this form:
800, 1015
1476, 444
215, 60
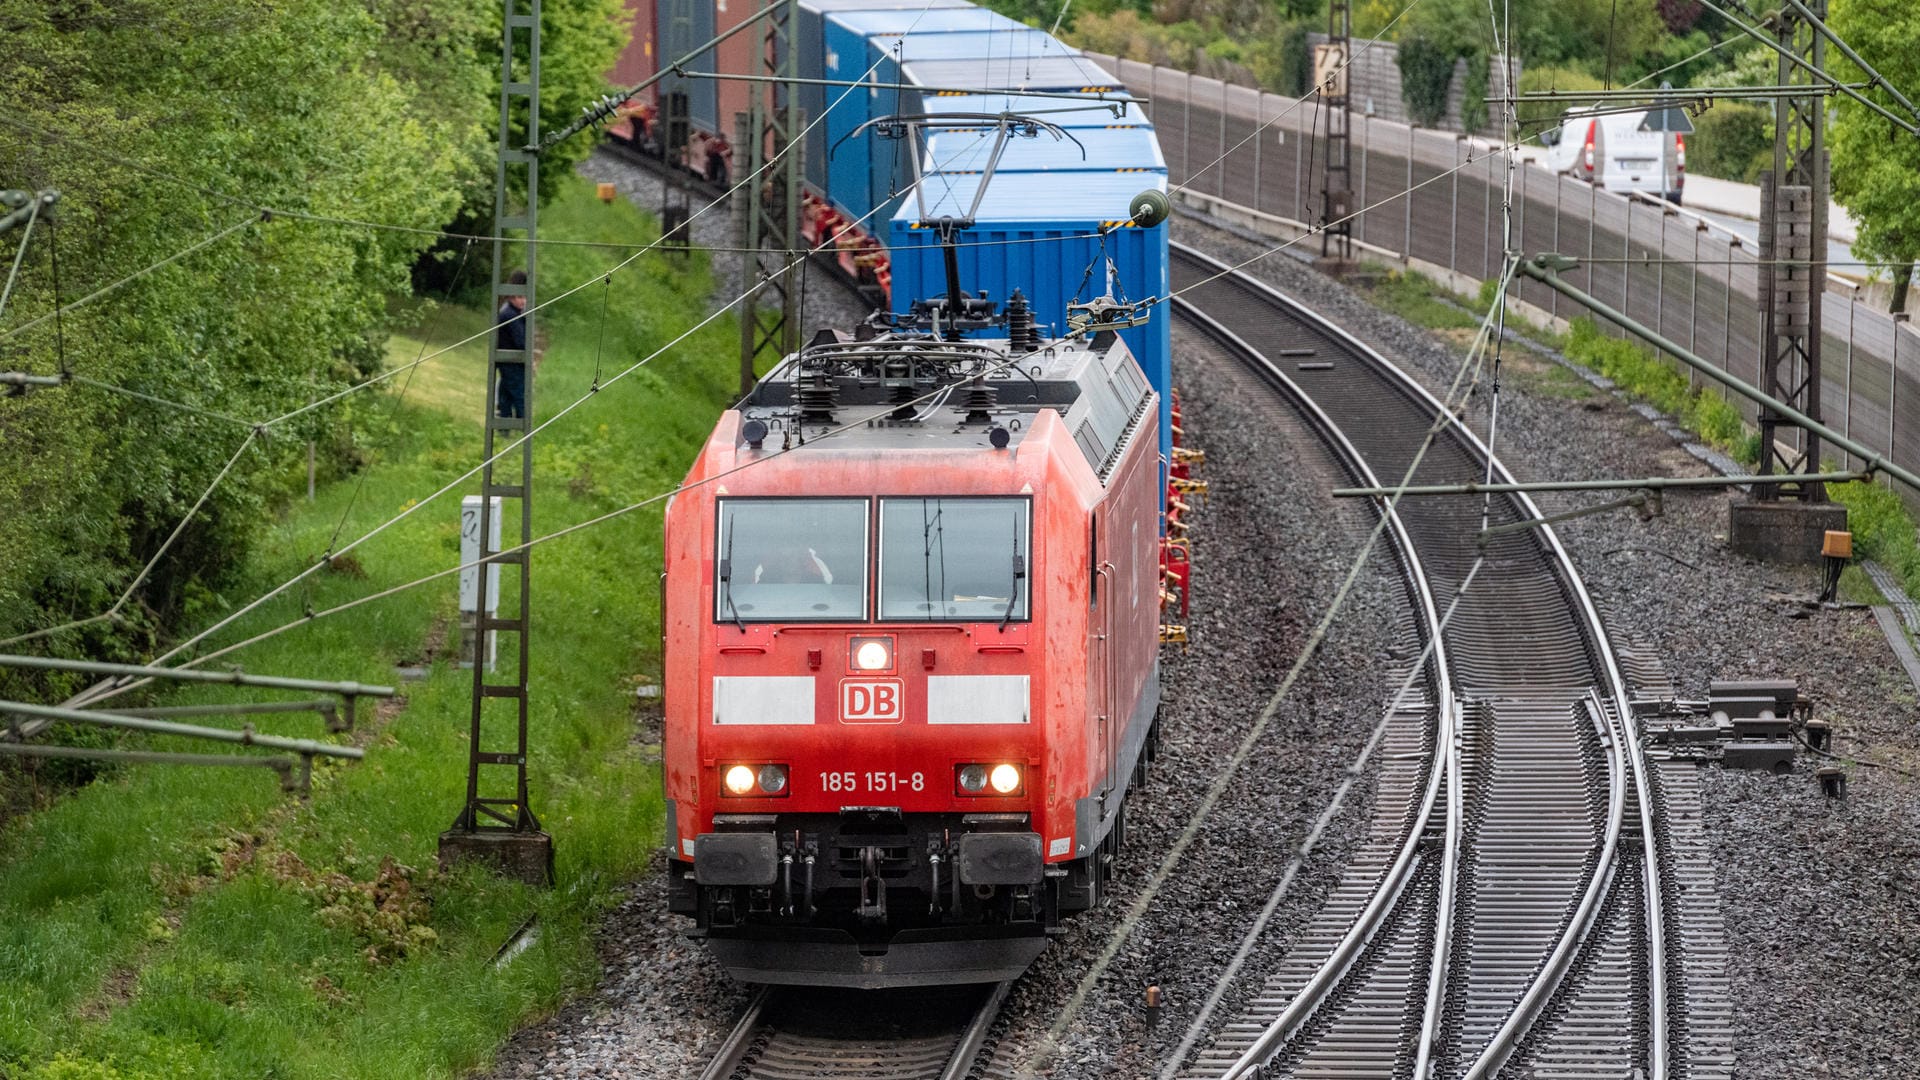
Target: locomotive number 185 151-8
881, 782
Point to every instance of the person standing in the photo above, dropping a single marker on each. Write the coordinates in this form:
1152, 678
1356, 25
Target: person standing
510, 323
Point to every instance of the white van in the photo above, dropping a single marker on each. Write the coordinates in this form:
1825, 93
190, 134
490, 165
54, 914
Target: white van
1623, 152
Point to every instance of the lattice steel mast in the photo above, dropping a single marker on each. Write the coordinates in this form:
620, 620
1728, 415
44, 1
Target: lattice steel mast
770, 200
1793, 253
495, 822
1332, 73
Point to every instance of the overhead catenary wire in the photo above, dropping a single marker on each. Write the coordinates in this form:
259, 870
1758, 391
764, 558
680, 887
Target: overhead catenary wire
1465, 378
122, 282
1813, 72
316, 566
109, 691
426, 339
557, 534
319, 564
279, 213
1316, 93
256, 427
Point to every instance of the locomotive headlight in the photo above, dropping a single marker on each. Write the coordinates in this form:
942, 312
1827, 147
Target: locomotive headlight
1005, 779
872, 654
739, 780
973, 779
773, 779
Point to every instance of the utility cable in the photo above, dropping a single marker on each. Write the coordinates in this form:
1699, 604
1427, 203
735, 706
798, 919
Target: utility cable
1314, 93
102, 693
1456, 396
137, 275
426, 339
212, 414
110, 691
515, 444
1815, 73
190, 642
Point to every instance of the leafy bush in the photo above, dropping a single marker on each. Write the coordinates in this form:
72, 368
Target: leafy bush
1426, 69
1473, 100
1731, 141
1282, 60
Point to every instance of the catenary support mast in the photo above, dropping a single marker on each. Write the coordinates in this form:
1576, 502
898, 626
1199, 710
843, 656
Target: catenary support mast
770, 201
495, 823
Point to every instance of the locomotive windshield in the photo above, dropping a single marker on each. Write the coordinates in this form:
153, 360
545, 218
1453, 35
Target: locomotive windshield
953, 559
791, 560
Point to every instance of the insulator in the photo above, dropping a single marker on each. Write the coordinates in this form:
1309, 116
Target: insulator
1022, 338
817, 397
981, 398
903, 401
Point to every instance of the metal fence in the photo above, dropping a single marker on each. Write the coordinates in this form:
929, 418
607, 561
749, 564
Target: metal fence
1435, 196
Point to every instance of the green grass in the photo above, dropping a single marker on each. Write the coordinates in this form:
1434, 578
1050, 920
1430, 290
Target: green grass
1883, 529
1419, 300
1857, 588
1640, 372
198, 923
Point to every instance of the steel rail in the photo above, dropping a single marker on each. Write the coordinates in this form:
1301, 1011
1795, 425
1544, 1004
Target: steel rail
1619, 739
734, 1049
761, 1044
1621, 717
1340, 962
974, 1038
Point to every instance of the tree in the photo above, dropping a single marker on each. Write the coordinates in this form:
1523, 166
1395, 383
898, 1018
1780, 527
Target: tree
1876, 167
162, 123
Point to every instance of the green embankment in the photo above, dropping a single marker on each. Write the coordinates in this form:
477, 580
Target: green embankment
1883, 528
166, 922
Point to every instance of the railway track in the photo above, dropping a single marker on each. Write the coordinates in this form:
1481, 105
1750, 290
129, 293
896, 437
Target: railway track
1509, 912
695, 192
700, 189
807, 1033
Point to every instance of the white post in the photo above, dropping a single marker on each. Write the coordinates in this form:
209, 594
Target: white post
470, 578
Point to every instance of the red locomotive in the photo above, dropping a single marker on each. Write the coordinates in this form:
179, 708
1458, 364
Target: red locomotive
911, 623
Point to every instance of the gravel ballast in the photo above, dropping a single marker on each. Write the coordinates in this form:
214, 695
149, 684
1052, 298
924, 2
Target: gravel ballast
1822, 918
1821, 899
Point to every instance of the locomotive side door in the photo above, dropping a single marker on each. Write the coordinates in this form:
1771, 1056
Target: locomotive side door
1099, 664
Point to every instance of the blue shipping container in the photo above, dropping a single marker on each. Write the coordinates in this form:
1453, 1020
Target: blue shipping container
1036, 234
813, 60
857, 45
1128, 149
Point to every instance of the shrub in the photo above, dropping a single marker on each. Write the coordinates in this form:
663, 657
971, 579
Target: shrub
1732, 142
1426, 69
1883, 529
1473, 100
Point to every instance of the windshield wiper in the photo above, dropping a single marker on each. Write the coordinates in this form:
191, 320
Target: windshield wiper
1019, 571
726, 579
926, 556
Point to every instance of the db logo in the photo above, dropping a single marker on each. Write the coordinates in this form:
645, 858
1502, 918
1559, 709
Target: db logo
870, 701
